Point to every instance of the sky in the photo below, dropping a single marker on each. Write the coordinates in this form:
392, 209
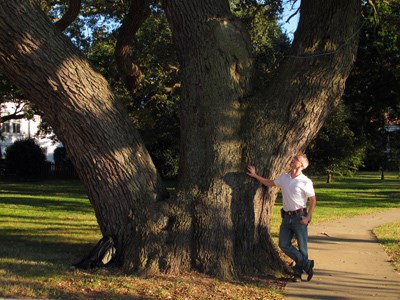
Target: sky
291, 26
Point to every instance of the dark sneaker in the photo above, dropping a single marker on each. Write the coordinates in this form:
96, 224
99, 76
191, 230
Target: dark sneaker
296, 278
310, 270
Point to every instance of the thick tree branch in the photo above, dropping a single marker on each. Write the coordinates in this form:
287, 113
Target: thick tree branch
292, 15
13, 116
138, 13
71, 14
16, 115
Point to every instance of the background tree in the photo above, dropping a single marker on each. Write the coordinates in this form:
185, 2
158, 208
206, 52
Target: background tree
373, 89
218, 220
371, 100
394, 151
10, 93
154, 108
336, 150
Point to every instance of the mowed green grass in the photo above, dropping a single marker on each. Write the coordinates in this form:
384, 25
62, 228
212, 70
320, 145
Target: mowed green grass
389, 236
47, 226
43, 228
347, 197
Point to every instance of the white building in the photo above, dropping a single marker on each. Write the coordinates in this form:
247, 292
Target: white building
14, 130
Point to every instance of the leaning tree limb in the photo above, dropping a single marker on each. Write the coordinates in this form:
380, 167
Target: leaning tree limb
130, 72
70, 16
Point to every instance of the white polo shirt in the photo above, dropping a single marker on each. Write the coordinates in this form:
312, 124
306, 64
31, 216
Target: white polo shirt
296, 191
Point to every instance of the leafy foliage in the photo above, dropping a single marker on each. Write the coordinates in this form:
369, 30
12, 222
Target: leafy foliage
336, 150
268, 41
373, 87
270, 8
155, 110
8, 90
362, 136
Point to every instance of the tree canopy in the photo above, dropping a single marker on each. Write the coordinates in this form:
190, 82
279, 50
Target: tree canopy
373, 89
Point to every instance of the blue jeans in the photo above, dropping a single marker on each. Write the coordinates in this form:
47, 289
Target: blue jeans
291, 227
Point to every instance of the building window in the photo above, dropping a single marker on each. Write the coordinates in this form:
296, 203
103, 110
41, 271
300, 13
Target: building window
16, 127
5, 127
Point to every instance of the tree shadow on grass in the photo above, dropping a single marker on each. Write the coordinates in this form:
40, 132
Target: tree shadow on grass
52, 204
36, 251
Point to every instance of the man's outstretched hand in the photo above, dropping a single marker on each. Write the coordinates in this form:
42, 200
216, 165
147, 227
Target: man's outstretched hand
251, 171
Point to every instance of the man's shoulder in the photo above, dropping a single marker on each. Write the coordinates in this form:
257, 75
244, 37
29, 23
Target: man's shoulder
303, 177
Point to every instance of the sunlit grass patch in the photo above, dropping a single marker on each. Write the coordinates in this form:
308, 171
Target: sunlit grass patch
389, 236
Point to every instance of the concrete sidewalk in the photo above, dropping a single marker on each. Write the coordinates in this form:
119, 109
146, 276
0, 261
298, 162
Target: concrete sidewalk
349, 263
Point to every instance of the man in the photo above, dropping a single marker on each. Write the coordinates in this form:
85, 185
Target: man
296, 190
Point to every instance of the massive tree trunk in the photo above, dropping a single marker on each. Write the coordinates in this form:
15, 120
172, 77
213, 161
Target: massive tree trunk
220, 222
216, 69
121, 181
225, 126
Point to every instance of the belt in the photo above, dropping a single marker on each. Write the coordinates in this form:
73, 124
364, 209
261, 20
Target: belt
293, 212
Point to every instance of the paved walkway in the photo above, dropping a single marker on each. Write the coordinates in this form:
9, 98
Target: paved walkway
349, 263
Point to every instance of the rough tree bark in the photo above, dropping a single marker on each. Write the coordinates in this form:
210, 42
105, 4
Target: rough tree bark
220, 219
216, 66
224, 126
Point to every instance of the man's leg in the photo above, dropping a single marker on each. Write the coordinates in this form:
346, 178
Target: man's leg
286, 234
301, 234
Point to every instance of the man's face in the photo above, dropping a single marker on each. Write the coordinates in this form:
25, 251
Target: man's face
296, 163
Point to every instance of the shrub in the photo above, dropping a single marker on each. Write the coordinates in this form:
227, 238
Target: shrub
63, 165
25, 159
60, 156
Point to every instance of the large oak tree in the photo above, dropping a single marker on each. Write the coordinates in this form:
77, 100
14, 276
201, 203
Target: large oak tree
217, 222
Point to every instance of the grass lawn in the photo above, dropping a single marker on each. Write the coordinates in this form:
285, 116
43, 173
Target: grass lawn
350, 196
389, 236
47, 226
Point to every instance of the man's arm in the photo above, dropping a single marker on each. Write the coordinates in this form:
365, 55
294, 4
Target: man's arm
251, 171
313, 203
